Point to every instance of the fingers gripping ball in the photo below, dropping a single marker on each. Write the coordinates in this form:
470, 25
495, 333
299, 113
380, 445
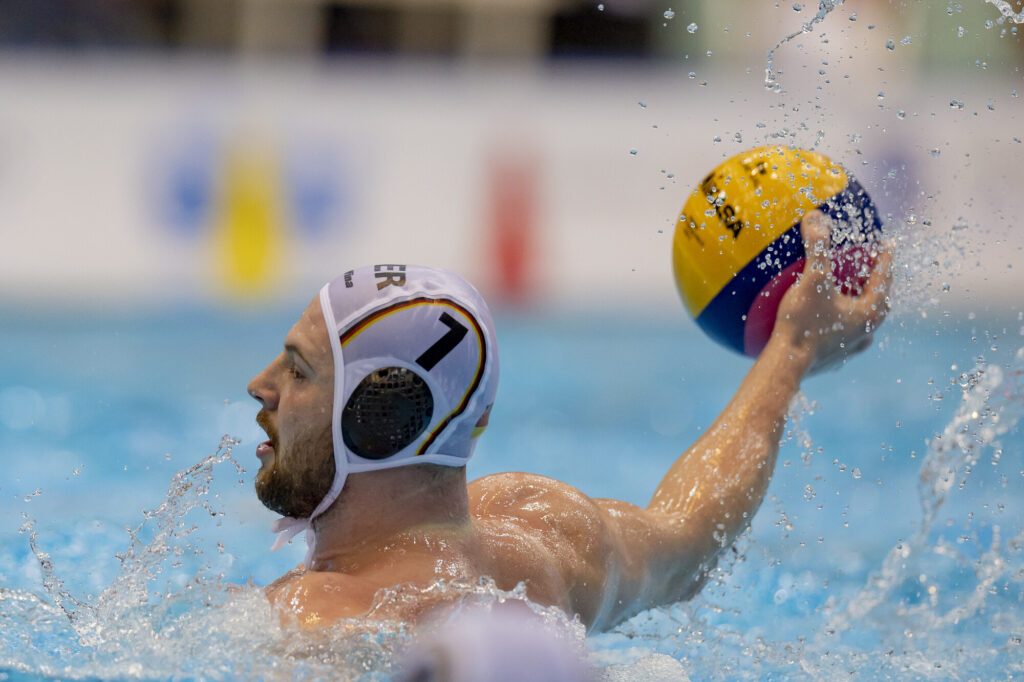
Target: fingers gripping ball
738, 246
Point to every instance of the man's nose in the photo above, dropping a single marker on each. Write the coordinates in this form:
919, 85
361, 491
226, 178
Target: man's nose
262, 389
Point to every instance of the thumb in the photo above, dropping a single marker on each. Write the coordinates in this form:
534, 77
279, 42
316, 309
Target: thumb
816, 229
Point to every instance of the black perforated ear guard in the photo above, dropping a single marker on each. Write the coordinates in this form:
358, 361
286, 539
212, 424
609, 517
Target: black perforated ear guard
386, 412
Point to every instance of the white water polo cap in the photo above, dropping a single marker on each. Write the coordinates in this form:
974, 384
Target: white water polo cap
415, 373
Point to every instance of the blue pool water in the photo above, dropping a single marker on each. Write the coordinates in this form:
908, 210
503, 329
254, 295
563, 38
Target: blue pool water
852, 566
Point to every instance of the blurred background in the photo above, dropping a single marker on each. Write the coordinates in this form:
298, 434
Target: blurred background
155, 152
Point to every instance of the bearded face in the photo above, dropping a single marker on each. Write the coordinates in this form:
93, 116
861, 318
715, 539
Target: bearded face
294, 480
295, 392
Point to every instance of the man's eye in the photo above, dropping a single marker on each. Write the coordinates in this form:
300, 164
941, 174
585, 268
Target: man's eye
295, 373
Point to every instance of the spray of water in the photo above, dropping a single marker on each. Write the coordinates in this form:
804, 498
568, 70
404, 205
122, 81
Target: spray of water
938, 606
991, 406
1006, 9
771, 79
149, 623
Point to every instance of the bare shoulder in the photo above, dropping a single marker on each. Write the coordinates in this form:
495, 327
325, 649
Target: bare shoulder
317, 598
539, 501
569, 543
555, 509
559, 520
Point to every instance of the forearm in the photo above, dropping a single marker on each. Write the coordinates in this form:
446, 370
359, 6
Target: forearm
722, 478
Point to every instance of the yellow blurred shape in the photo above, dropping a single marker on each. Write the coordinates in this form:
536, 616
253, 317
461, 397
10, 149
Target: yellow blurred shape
249, 232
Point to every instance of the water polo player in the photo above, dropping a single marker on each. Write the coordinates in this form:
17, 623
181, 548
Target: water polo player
374, 408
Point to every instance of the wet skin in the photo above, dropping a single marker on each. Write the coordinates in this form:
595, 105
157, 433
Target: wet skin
602, 559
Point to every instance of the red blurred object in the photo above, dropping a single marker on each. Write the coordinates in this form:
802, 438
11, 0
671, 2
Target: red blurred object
512, 208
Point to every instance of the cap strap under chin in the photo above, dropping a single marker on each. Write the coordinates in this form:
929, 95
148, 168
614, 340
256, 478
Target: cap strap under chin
288, 527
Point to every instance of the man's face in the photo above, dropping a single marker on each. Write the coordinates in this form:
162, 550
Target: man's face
296, 392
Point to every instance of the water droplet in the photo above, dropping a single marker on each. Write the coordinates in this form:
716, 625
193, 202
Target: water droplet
717, 139
956, 104
738, 137
935, 152
890, 45
853, 16
905, 40
669, 14
692, 75
600, 8
960, 31
991, 106
856, 472
643, 104
692, 28
881, 94
901, 114
634, 151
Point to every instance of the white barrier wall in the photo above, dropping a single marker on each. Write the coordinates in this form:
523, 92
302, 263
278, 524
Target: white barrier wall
152, 180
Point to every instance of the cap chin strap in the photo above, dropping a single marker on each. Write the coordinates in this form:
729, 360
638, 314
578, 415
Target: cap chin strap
288, 527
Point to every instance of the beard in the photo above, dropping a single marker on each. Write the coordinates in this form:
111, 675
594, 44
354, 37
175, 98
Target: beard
295, 480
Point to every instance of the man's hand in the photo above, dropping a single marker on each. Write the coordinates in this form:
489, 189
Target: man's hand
815, 318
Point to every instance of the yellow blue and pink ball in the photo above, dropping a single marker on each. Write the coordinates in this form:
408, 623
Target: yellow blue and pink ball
738, 246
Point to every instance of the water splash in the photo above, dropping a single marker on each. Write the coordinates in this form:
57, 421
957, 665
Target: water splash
992, 405
1006, 9
771, 80
943, 604
169, 613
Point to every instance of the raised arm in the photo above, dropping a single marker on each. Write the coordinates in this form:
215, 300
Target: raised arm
710, 493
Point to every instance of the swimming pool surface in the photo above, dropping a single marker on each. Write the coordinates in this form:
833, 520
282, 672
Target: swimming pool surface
840, 575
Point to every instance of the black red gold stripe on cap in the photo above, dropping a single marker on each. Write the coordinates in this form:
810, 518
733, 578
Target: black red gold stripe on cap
377, 315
